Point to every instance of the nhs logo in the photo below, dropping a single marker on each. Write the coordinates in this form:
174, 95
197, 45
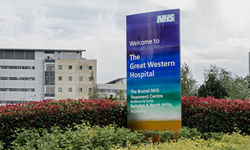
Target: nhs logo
165, 18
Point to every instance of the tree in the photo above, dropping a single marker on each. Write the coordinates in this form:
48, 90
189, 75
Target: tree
212, 87
120, 95
93, 92
247, 78
188, 84
236, 87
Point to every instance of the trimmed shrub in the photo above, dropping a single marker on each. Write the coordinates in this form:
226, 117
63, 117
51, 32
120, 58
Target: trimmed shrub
193, 133
227, 142
204, 114
1, 145
81, 136
157, 136
189, 133
62, 113
216, 115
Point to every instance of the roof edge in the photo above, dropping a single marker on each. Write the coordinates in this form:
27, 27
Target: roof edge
44, 49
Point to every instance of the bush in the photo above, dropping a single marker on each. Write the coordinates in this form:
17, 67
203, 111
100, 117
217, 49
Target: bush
189, 133
204, 114
193, 133
1, 145
62, 113
81, 136
158, 136
227, 142
216, 115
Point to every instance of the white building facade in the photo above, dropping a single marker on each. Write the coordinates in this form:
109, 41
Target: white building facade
30, 74
112, 87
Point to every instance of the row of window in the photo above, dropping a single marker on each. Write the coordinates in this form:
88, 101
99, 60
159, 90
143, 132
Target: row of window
18, 89
70, 67
17, 54
17, 67
109, 90
12, 102
69, 89
17, 78
70, 78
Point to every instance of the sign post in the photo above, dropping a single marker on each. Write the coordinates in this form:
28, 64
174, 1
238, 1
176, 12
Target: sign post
153, 70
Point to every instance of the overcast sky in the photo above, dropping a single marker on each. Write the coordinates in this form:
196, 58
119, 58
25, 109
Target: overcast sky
212, 31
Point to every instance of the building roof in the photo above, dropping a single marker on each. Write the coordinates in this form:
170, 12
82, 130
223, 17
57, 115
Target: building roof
44, 49
115, 81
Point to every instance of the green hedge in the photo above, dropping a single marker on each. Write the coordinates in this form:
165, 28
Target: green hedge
234, 141
62, 113
216, 115
204, 114
81, 136
84, 136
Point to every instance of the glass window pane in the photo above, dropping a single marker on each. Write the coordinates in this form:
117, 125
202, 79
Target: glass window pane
50, 67
70, 78
60, 78
29, 54
1, 54
9, 54
19, 54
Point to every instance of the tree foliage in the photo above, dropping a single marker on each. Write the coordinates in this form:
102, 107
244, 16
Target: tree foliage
212, 87
119, 95
236, 87
188, 84
93, 92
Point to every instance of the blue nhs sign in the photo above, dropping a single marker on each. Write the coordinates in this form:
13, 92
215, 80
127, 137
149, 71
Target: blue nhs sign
165, 18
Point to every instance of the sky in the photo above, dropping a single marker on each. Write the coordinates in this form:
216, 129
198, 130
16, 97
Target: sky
213, 32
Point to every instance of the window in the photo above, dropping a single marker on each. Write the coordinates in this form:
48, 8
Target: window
29, 54
17, 78
49, 52
70, 78
70, 89
50, 67
19, 54
18, 89
9, 54
70, 67
1, 54
59, 89
80, 89
80, 67
60, 78
90, 67
80, 78
17, 67
50, 90
59, 67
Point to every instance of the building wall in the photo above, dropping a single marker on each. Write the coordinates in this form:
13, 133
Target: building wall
19, 84
36, 73
75, 73
106, 90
